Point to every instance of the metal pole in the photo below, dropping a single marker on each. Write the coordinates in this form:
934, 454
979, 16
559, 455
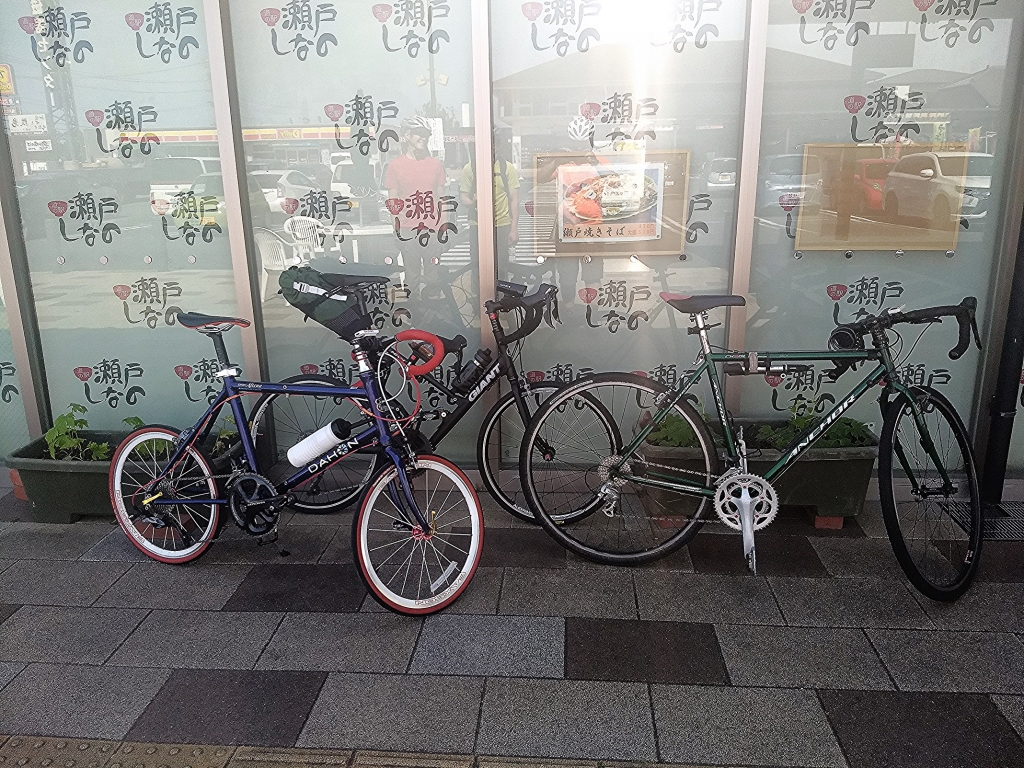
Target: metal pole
484, 141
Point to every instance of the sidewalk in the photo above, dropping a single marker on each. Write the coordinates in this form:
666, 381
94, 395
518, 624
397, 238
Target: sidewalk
827, 658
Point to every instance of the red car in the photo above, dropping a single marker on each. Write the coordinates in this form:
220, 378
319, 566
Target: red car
869, 182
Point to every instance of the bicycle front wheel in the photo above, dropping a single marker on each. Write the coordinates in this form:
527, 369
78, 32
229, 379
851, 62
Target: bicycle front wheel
929, 493
405, 568
571, 461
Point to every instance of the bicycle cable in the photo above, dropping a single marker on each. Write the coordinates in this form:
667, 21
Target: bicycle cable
916, 342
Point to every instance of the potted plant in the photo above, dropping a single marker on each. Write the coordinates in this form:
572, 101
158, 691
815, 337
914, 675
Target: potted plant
64, 472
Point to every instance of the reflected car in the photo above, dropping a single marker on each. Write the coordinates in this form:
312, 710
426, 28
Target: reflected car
171, 175
212, 185
935, 185
721, 175
786, 181
870, 184
282, 185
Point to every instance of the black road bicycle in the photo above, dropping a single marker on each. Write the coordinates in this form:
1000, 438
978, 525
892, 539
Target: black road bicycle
611, 500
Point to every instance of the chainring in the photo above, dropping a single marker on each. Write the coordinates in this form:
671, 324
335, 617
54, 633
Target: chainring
250, 500
763, 498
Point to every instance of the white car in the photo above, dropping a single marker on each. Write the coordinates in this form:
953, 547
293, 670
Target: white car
936, 185
172, 175
280, 187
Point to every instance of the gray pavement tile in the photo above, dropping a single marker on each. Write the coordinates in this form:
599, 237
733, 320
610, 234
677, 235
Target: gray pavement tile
522, 548
7, 610
604, 593
8, 671
480, 597
5, 564
995, 607
1002, 561
776, 556
921, 730
871, 522
705, 598
570, 718
504, 646
42, 582
395, 712
961, 662
848, 603
801, 657
858, 558
77, 700
304, 544
158, 585
198, 639
62, 635
342, 642
1012, 708
227, 706
748, 726
116, 547
48, 541
496, 517
339, 550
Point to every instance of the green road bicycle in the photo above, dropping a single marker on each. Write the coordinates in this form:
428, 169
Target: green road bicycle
606, 496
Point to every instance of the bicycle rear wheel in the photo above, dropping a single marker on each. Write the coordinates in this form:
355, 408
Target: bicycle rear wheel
934, 522
569, 458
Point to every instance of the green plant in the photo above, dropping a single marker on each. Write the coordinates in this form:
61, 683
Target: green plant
844, 433
134, 422
66, 444
673, 432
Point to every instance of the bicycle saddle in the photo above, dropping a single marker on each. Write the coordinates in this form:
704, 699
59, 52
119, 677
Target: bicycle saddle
694, 305
209, 323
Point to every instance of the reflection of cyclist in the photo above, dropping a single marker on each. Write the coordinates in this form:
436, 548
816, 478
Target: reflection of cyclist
417, 179
506, 201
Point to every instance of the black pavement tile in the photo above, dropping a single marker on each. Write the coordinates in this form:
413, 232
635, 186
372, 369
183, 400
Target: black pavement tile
339, 550
301, 587
480, 597
933, 730
676, 596
858, 558
643, 651
776, 556
1002, 561
606, 592
566, 718
195, 586
795, 520
801, 657
229, 707
1012, 708
6, 609
304, 544
67, 635
47, 541
848, 603
961, 662
77, 700
522, 548
42, 582
395, 712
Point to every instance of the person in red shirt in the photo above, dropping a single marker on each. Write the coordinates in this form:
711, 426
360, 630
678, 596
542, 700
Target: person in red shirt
417, 179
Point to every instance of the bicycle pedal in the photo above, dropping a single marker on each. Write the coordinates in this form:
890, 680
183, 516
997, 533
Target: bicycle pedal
267, 538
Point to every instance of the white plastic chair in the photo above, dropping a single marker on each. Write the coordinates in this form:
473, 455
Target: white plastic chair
308, 234
274, 256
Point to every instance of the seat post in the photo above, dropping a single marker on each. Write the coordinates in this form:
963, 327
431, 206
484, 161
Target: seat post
220, 349
700, 322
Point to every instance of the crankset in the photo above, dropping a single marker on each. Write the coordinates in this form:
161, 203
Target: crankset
746, 503
255, 503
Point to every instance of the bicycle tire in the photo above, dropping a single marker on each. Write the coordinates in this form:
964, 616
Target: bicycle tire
493, 448
346, 480
163, 543
394, 526
938, 548
670, 523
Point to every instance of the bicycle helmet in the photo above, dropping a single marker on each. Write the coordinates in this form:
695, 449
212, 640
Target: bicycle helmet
418, 125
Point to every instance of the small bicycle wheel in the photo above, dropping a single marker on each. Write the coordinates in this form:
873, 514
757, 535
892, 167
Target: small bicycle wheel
289, 419
176, 533
497, 448
405, 569
570, 460
930, 499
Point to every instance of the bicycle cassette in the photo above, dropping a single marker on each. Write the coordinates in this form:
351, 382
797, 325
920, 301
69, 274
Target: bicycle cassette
254, 502
737, 489
605, 467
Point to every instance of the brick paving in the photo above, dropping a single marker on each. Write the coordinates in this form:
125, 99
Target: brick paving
827, 658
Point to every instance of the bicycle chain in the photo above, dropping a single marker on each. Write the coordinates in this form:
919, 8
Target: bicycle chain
714, 478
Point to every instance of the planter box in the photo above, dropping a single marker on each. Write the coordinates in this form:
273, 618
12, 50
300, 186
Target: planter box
63, 491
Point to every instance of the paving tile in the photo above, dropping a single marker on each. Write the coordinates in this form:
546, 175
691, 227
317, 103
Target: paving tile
495, 517
848, 603
488, 761
480, 597
229, 707
921, 730
6, 610
8, 671
643, 651
395, 712
571, 718
871, 522
198, 639
858, 558
115, 547
12, 509
797, 520
505, 646
995, 607
776, 556
132, 754
963, 662
41, 752
196, 586
749, 726
41, 582
1012, 708
47, 541
299, 587
342, 519
705, 598
522, 548
269, 757
339, 550
352, 642
570, 592
1002, 561
5, 564
801, 657
367, 759
679, 560
76, 700
66, 635
304, 544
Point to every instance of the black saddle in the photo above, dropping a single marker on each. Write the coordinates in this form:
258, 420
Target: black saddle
209, 323
694, 305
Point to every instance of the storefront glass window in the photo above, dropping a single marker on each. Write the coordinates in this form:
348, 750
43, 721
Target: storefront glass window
13, 429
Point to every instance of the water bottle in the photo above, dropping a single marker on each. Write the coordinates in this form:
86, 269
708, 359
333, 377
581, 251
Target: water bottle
472, 371
319, 443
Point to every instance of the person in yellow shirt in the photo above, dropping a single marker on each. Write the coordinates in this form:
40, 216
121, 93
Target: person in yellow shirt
506, 201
